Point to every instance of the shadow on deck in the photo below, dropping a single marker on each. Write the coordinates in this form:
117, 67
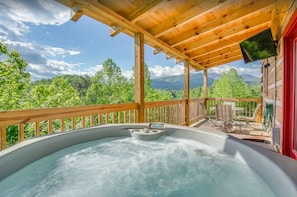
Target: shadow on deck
253, 133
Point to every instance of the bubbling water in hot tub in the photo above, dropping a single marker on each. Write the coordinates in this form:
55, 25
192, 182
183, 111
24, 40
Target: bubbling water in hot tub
169, 166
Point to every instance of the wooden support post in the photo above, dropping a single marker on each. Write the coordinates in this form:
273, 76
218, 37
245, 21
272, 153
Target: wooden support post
205, 83
187, 91
139, 75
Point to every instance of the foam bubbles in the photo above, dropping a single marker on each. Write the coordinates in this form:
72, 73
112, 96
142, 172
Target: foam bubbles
128, 167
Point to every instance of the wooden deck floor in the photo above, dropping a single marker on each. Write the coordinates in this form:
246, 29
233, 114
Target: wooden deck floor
253, 133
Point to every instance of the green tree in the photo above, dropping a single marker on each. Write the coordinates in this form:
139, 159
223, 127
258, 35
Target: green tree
230, 85
109, 86
79, 82
14, 80
256, 89
150, 93
59, 93
196, 92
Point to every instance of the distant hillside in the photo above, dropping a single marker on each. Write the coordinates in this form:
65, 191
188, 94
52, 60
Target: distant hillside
196, 79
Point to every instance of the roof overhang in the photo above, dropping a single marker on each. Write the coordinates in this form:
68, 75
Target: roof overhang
206, 33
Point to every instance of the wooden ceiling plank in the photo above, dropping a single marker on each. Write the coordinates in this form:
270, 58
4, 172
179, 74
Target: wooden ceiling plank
225, 61
100, 10
230, 31
138, 13
201, 9
216, 52
229, 41
222, 57
244, 12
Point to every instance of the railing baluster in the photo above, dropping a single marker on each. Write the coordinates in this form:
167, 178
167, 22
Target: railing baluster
83, 121
3, 137
21, 132
113, 117
62, 124
91, 120
50, 126
73, 123
125, 116
37, 128
99, 119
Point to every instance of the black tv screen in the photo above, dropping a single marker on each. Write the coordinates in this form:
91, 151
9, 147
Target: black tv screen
260, 46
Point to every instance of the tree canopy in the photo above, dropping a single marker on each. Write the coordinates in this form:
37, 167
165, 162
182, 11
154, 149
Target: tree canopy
109, 86
230, 85
14, 79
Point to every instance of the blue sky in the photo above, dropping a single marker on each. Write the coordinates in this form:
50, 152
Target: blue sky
52, 44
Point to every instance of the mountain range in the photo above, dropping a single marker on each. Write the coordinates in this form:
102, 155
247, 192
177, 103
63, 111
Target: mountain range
176, 82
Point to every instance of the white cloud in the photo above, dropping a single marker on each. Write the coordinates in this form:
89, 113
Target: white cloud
91, 71
159, 71
253, 69
54, 68
45, 12
27, 45
128, 74
54, 51
18, 15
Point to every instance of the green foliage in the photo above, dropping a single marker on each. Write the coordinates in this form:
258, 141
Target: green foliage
109, 86
81, 83
230, 85
256, 89
196, 92
14, 80
56, 94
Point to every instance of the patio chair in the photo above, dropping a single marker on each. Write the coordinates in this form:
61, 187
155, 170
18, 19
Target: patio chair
233, 104
248, 119
224, 113
208, 116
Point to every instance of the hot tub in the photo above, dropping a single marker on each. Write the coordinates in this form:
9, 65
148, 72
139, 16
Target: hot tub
165, 174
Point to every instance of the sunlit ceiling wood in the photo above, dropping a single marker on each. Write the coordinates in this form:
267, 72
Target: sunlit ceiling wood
207, 33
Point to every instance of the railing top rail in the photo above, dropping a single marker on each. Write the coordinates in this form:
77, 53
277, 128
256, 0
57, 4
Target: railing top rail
162, 103
22, 116
234, 99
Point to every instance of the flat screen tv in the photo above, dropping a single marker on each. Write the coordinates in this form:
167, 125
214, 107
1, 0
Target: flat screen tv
257, 47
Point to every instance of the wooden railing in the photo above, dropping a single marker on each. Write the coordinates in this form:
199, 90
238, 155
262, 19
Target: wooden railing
17, 126
26, 124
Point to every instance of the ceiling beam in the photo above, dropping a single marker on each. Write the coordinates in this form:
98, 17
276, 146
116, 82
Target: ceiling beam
75, 13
